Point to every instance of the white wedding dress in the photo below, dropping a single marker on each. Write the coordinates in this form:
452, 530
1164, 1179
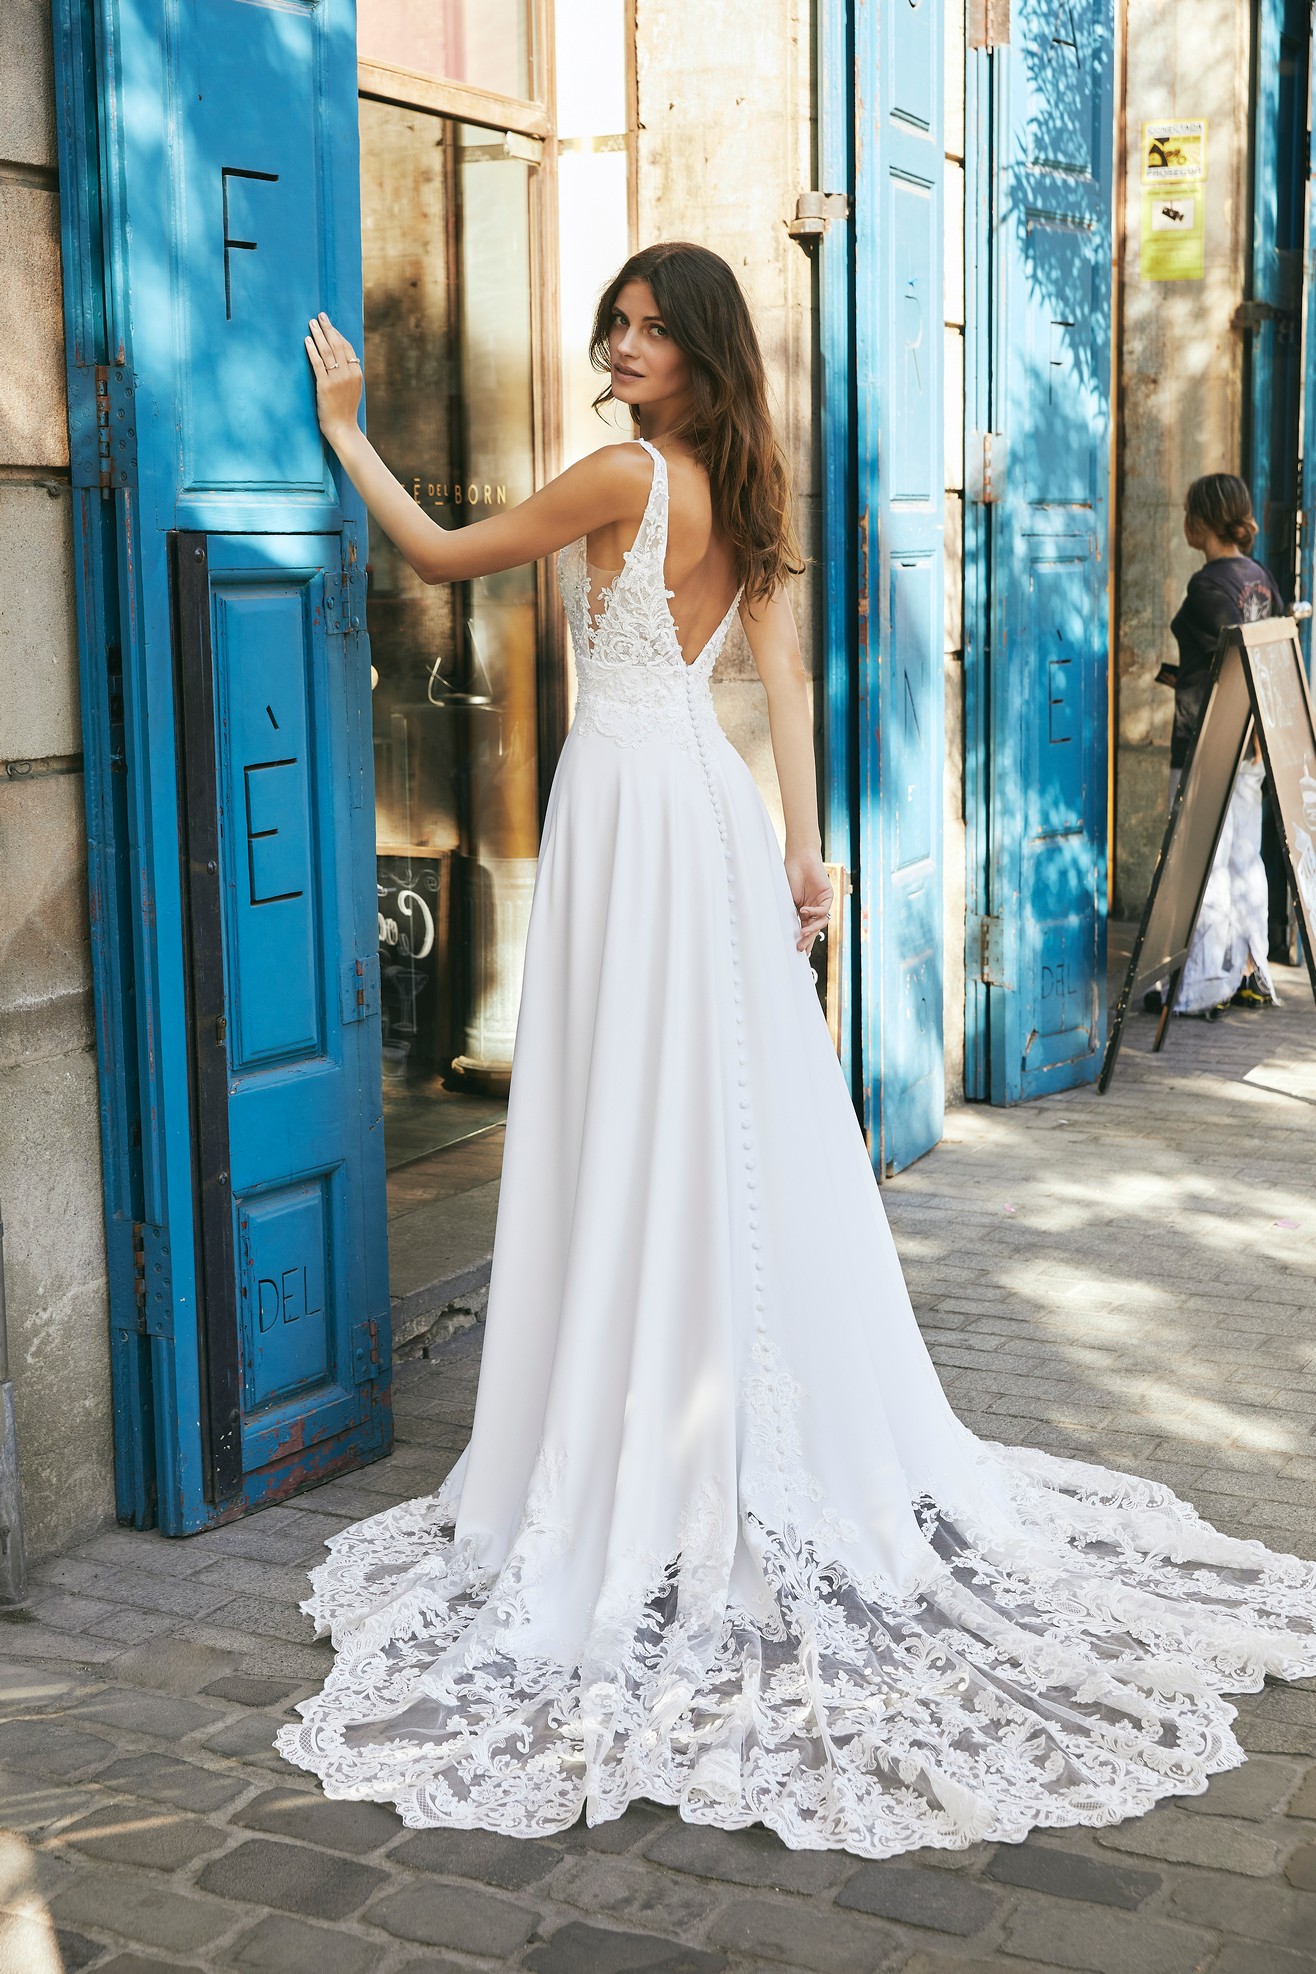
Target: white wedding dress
718, 1539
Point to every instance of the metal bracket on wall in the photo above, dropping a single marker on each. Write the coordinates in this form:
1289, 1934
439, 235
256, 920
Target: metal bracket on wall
814, 213
1252, 315
988, 23
102, 428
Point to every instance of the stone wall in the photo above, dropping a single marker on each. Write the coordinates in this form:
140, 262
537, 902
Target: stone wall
50, 1181
1180, 402
725, 147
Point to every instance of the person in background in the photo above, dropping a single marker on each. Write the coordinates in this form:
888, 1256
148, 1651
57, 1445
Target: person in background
1227, 962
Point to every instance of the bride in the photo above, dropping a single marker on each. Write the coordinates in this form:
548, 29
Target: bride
718, 1539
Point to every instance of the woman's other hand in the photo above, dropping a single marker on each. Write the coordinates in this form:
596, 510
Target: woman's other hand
812, 891
337, 369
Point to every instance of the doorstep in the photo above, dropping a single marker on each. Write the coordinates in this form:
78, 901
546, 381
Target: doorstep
441, 1215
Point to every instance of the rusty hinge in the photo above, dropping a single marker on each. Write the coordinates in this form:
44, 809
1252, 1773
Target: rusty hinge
988, 23
814, 213
361, 987
367, 1362
102, 427
986, 464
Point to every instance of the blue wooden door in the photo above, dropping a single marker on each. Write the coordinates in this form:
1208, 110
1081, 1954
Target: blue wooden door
898, 426
1272, 316
1040, 470
1307, 528
209, 173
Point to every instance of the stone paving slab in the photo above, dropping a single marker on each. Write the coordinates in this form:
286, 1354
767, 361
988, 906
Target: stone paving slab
1125, 1279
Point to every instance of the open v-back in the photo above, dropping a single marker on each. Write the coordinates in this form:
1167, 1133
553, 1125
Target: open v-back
717, 1538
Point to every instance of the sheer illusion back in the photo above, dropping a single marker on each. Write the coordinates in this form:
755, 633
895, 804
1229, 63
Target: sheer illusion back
717, 1538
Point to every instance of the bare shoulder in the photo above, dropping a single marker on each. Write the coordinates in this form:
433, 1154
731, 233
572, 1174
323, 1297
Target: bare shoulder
619, 475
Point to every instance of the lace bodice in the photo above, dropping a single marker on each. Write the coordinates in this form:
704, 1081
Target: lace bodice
634, 684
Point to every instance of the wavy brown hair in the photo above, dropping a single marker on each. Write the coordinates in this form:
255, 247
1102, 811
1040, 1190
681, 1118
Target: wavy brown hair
729, 428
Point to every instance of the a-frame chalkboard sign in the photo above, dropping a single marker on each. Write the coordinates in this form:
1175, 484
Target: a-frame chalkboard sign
1257, 683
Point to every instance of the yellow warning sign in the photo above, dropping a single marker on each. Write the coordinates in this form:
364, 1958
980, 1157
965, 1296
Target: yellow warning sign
1174, 150
1173, 199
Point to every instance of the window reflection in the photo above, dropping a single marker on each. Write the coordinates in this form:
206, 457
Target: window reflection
486, 43
446, 253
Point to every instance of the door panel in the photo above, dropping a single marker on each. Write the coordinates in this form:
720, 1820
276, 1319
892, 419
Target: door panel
222, 136
899, 359
1047, 94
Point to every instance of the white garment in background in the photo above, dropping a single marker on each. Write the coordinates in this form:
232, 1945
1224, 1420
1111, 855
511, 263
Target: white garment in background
1233, 923
718, 1538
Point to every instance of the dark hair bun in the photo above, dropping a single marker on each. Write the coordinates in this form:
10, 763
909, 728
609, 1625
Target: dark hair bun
1222, 503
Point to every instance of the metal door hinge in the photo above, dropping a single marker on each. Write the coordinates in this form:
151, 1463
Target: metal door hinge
814, 213
986, 464
361, 988
367, 1360
102, 427
991, 951
153, 1283
345, 601
988, 24
1252, 315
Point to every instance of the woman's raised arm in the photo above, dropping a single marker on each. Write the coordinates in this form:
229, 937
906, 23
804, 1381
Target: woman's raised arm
610, 485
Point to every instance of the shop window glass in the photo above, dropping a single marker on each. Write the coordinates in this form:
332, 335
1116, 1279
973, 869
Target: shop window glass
486, 43
448, 348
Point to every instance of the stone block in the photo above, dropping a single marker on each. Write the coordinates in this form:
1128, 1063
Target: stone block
27, 84
1238, 1959
460, 1917
621, 1833
171, 1664
263, 1617
1071, 1875
51, 1747
50, 1183
290, 1946
914, 1897
252, 1689
1106, 1942
1304, 1802
805, 1936
33, 414
39, 710
579, 1949
1253, 1909
356, 1828
251, 1740
1181, 1838
136, 1907
75, 1951
140, 1963
164, 1779
291, 1879
29, 1804
635, 1892
161, 1839
510, 1863
1300, 1870
1254, 1791
162, 1717
747, 1857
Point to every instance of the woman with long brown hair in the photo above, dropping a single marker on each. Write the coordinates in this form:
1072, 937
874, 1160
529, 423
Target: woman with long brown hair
718, 1539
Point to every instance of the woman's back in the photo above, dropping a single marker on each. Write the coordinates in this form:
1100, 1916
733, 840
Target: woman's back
699, 569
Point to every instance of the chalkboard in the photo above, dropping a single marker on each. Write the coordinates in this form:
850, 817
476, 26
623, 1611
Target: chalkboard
1273, 656
1257, 677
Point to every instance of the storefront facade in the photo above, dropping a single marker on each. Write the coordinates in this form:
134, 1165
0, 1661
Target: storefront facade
313, 787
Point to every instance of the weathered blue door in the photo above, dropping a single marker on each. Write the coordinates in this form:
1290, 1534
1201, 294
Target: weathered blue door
898, 423
209, 173
1272, 316
1036, 576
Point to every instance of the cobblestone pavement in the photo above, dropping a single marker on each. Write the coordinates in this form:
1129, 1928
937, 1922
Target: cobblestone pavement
1128, 1279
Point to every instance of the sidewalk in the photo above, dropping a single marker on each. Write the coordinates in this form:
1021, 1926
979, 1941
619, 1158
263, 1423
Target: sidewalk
1129, 1279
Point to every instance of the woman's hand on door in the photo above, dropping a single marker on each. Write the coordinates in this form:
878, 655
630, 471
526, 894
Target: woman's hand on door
337, 370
